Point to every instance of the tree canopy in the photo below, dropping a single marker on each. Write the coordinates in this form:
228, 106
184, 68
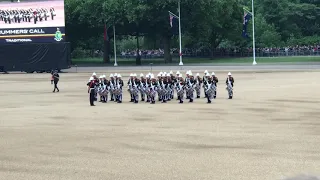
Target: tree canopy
205, 23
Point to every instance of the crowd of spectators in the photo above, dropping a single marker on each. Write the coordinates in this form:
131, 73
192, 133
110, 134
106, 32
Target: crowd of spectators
267, 51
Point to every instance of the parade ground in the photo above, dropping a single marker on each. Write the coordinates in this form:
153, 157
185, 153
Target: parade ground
269, 131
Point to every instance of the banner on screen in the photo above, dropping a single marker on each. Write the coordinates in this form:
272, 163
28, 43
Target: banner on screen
32, 21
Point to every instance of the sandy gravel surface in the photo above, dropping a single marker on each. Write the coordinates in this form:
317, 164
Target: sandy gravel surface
269, 131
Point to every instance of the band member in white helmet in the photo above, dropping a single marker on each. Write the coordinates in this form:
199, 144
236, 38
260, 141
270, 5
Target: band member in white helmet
186, 80
111, 84
215, 81
142, 87
229, 83
198, 82
190, 86
119, 82
130, 85
180, 88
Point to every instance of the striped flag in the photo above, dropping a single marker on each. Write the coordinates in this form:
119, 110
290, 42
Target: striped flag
105, 35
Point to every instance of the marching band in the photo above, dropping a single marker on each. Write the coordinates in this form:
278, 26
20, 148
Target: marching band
164, 86
25, 15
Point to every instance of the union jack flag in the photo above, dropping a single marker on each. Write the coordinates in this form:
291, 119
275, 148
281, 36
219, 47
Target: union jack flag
171, 18
246, 18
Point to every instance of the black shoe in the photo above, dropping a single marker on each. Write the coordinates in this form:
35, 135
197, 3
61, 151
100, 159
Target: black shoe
148, 101
131, 100
191, 100
209, 102
169, 99
214, 97
119, 102
153, 102
53, 91
181, 102
136, 102
112, 99
164, 101
58, 91
92, 105
230, 97
198, 97
142, 99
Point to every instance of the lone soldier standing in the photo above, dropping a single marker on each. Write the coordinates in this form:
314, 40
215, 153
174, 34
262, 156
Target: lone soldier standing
55, 78
91, 90
230, 82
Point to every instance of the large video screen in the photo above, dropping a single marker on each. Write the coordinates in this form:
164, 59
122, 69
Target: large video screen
27, 21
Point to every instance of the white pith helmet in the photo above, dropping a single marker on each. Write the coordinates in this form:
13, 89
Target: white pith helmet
197, 74
229, 74
141, 75
213, 74
111, 75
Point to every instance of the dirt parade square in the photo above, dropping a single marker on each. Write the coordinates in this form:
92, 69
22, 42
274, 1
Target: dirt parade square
269, 130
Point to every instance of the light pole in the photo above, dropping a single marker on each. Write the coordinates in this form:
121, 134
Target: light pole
180, 43
253, 36
114, 46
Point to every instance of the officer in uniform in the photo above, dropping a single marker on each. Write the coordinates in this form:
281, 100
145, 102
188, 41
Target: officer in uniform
231, 80
55, 79
91, 90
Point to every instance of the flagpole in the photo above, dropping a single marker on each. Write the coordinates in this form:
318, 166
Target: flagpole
253, 36
180, 44
114, 46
